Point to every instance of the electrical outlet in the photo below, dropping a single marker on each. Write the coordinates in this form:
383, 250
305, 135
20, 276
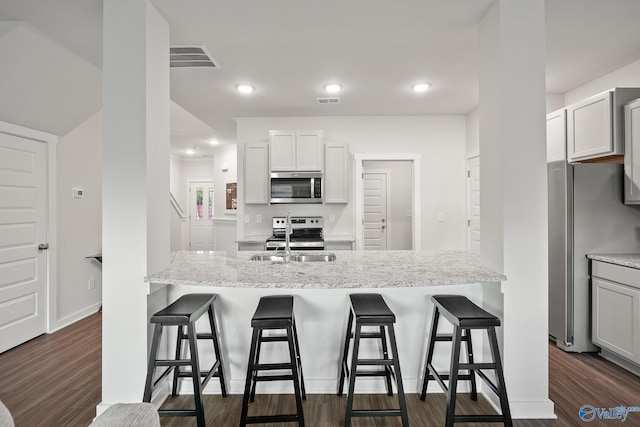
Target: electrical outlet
332, 218
247, 218
259, 218
92, 284
440, 216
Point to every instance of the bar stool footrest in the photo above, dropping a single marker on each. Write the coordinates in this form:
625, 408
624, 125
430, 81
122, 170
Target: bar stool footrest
177, 412
264, 419
376, 413
478, 419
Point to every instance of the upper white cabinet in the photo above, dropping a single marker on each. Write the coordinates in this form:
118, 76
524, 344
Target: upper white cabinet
295, 150
632, 152
595, 126
336, 173
557, 136
256, 173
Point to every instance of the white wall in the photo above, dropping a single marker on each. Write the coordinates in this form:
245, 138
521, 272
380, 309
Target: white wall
440, 140
225, 161
472, 133
79, 221
399, 201
628, 76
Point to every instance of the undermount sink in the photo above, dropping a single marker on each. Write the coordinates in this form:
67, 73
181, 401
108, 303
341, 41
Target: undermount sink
314, 257
296, 258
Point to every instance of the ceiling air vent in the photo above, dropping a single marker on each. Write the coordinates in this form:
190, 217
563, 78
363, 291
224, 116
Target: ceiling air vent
190, 56
328, 100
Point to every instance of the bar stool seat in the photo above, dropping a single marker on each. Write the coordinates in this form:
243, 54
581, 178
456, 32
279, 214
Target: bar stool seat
184, 313
370, 310
464, 315
274, 313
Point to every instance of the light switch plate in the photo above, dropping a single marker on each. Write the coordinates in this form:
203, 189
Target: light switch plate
332, 218
259, 218
247, 218
440, 216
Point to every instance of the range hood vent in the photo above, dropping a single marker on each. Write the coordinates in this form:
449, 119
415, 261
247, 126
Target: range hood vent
329, 100
190, 56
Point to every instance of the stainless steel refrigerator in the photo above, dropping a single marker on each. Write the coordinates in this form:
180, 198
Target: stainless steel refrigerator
586, 215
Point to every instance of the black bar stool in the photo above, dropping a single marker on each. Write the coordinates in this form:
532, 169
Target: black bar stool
184, 312
274, 312
371, 310
465, 316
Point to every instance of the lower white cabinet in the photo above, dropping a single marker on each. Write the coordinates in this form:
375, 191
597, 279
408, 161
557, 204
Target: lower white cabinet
338, 246
616, 309
251, 246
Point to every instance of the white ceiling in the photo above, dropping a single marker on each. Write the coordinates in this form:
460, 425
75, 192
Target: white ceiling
288, 49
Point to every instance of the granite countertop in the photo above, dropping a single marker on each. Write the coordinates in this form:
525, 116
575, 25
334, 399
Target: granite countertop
337, 238
625, 260
260, 238
351, 269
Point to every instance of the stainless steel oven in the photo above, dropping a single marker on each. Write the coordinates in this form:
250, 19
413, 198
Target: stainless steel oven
296, 187
306, 233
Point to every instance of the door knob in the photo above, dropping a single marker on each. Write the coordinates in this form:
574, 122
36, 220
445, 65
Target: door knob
383, 227
43, 246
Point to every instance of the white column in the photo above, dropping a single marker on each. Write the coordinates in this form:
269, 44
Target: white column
514, 193
135, 209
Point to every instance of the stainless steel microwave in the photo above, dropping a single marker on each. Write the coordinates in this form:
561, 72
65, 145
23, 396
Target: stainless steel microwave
296, 187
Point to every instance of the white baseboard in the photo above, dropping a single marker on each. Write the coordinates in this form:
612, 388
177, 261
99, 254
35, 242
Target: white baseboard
72, 318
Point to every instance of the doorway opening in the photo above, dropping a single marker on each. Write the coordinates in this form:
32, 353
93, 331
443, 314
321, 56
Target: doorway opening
398, 203
201, 230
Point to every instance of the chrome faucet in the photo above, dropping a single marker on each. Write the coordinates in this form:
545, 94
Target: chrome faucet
287, 232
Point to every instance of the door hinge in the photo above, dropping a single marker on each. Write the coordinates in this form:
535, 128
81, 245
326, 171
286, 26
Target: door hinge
468, 174
468, 223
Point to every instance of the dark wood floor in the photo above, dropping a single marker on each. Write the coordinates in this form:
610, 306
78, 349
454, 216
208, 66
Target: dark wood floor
54, 380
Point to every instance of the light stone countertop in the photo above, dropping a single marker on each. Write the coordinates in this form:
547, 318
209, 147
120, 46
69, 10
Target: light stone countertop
339, 238
260, 238
625, 260
351, 269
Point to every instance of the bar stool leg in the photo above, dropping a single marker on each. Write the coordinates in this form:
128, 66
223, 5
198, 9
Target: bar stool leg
148, 387
352, 375
345, 352
431, 345
472, 372
247, 384
502, 388
396, 367
294, 370
385, 355
176, 374
256, 361
453, 377
217, 350
195, 373
299, 361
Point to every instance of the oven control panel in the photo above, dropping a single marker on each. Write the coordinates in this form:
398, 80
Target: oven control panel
298, 222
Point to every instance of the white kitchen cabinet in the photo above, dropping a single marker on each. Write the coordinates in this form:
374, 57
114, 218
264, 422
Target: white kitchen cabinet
616, 309
295, 150
595, 130
557, 135
256, 173
632, 152
336, 173
338, 246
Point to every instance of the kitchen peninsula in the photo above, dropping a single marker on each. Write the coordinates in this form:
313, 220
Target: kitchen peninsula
406, 279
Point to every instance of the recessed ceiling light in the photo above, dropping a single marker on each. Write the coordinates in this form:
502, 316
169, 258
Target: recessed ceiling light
214, 141
333, 87
190, 151
244, 88
420, 87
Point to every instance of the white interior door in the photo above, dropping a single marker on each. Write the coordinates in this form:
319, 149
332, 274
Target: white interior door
201, 231
375, 218
474, 204
23, 216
